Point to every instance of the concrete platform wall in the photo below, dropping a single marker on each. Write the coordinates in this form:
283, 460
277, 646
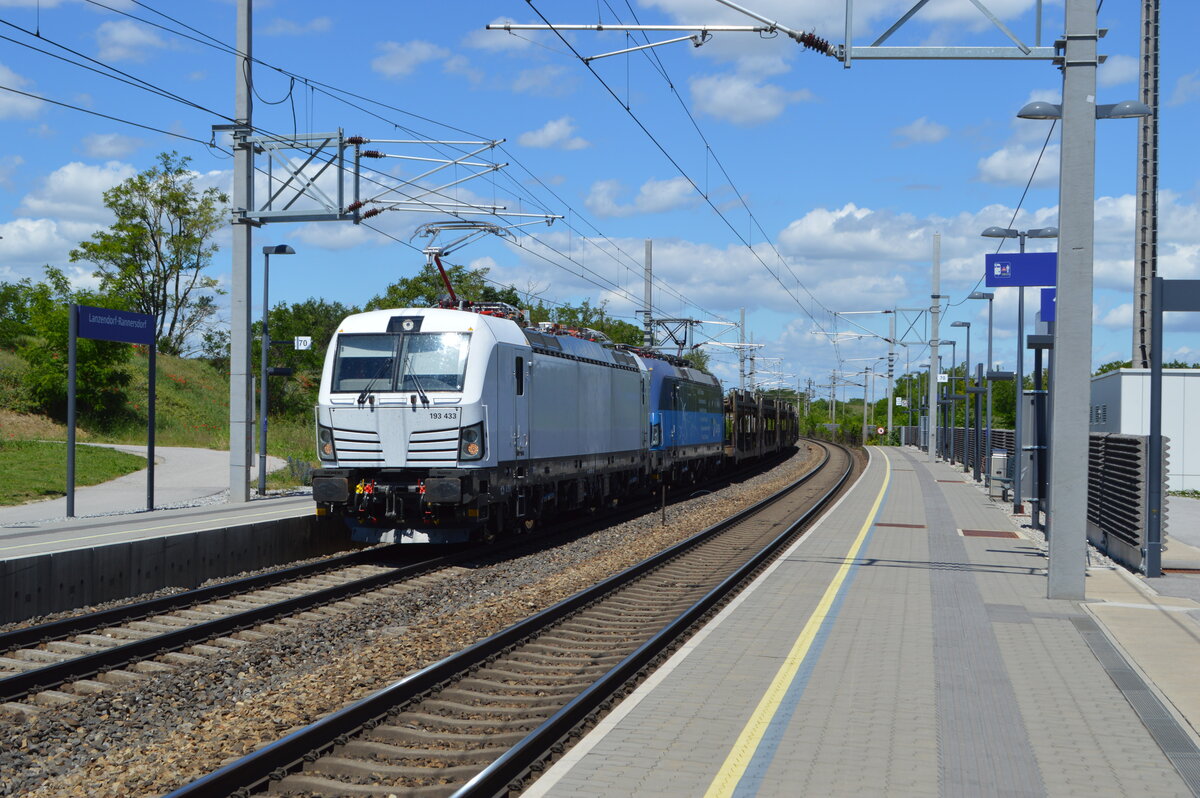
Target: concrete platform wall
46, 583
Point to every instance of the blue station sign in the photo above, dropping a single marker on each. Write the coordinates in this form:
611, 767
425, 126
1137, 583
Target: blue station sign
1049, 303
103, 324
1021, 269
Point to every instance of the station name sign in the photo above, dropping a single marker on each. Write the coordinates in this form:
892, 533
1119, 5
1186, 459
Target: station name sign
1021, 269
103, 324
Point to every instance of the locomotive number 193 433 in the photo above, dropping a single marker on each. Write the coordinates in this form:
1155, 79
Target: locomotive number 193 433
450, 414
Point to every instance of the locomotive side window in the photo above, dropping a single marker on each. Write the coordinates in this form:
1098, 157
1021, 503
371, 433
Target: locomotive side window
364, 361
520, 374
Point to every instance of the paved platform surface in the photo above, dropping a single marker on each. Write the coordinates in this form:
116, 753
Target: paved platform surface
905, 646
115, 511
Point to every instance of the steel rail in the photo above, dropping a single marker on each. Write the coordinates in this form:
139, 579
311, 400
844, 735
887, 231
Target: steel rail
50, 676
274, 760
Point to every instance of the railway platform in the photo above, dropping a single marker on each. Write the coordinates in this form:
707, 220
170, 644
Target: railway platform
905, 646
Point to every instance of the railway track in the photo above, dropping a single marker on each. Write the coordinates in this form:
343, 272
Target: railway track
58, 663
484, 721
62, 662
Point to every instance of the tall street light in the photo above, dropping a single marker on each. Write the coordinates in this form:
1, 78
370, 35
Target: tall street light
1018, 448
966, 405
950, 389
278, 249
1071, 380
987, 439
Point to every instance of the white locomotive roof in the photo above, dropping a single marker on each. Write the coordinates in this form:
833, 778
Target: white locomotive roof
436, 320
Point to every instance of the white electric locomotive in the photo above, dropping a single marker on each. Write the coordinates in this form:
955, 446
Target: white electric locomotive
438, 425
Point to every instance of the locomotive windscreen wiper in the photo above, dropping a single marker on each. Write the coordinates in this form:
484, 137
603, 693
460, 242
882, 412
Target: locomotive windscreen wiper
416, 382
385, 366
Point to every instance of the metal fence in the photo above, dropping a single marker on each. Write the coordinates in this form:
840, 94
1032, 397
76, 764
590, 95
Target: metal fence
1118, 493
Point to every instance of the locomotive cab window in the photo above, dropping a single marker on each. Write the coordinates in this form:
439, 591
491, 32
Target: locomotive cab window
428, 362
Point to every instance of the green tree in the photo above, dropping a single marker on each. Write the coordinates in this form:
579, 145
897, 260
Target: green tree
101, 373
315, 318
594, 317
697, 357
153, 258
14, 312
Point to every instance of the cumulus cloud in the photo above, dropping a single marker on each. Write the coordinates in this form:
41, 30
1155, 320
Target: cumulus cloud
126, 40
550, 80
655, 196
75, 192
459, 65
1116, 70
741, 99
15, 106
110, 145
286, 27
500, 41
401, 59
921, 131
1187, 88
1012, 165
557, 133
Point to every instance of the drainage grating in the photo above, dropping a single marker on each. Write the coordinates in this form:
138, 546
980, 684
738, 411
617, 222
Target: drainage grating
901, 526
1161, 724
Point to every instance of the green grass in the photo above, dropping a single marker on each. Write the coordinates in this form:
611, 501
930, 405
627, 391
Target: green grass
191, 409
1187, 494
32, 470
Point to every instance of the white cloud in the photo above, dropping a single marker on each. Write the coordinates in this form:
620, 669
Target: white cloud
74, 192
500, 41
558, 133
1187, 88
921, 131
551, 80
459, 65
1012, 165
1117, 69
14, 105
286, 27
655, 196
110, 145
742, 100
399, 60
1118, 318
126, 40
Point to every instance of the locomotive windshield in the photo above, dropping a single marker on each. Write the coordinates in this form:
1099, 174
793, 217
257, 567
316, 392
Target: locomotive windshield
427, 362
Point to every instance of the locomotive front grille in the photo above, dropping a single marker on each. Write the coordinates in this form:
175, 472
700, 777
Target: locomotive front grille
358, 447
433, 446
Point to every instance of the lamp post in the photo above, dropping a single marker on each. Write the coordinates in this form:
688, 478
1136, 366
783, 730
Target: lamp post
950, 388
278, 249
1071, 379
987, 438
1018, 448
966, 405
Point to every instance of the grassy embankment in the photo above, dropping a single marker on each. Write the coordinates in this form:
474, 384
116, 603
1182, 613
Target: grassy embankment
192, 409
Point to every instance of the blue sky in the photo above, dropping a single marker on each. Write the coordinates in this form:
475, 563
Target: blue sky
768, 176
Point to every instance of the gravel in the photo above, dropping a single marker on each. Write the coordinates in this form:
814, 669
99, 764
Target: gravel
154, 736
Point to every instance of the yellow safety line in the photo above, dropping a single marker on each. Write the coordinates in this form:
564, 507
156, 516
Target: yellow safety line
747, 743
138, 530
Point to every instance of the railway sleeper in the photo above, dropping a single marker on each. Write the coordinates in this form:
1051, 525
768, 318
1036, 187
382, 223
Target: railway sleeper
556, 651
447, 723
488, 711
18, 665
449, 740
552, 672
343, 766
490, 707
368, 749
70, 648
494, 698
89, 687
38, 655
553, 657
53, 698
101, 641
488, 685
312, 784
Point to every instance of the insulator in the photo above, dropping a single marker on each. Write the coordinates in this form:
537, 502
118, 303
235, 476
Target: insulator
353, 206
372, 212
357, 140
372, 154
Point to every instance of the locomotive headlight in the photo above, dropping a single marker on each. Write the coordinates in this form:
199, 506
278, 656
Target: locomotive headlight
470, 442
325, 448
